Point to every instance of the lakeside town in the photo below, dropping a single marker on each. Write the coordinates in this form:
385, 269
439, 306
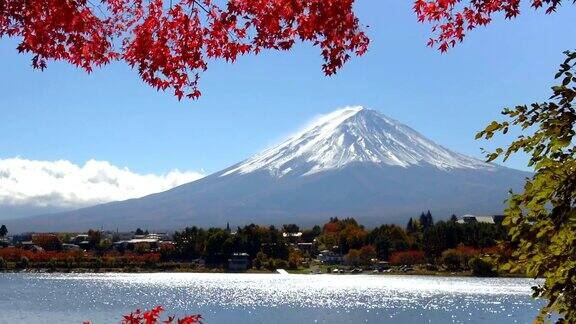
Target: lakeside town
465, 245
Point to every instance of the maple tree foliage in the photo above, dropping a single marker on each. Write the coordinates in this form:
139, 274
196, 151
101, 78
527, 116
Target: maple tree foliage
170, 42
453, 18
153, 317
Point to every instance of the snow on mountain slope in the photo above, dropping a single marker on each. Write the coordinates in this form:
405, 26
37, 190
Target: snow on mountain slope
351, 135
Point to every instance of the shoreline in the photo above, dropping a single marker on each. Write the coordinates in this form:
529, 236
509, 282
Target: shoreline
464, 274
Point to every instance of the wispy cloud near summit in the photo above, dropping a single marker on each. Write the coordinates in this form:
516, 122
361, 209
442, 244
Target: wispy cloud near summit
65, 184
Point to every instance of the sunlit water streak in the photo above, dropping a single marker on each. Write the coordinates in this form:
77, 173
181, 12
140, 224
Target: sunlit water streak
267, 298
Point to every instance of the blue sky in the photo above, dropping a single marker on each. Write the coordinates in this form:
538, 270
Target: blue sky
110, 115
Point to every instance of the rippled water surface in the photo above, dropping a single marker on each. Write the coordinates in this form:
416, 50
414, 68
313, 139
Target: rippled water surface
266, 298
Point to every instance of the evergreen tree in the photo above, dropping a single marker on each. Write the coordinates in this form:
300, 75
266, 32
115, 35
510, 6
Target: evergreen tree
213, 251
426, 220
429, 219
410, 226
453, 218
316, 230
3, 231
423, 220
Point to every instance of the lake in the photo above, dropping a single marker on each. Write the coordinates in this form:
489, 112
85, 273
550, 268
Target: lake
266, 298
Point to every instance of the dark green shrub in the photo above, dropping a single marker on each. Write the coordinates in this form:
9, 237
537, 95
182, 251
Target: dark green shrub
70, 262
452, 260
23, 263
271, 265
481, 267
260, 260
281, 264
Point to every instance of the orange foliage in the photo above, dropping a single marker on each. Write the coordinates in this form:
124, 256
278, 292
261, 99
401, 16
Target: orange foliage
410, 257
14, 254
332, 227
47, 241
467, 251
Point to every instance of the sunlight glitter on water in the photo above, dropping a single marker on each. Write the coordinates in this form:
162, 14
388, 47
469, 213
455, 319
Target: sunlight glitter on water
316, 290
261, 298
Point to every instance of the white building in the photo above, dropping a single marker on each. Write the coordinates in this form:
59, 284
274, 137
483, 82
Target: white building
467, 219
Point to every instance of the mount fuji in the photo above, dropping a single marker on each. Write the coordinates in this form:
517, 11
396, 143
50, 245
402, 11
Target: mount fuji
353, 162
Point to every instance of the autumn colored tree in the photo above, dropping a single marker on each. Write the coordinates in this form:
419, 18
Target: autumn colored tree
345, 234
367, 253
352, 236
410, 257
333, 226
458, 258
452, 19
170, 42
294, 259
49, 242
153, 317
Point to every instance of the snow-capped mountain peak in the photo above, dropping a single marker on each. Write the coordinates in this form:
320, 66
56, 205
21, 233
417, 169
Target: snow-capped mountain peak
353, 162
353, 135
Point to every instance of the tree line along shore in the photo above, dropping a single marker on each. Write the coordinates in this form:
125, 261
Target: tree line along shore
467, 245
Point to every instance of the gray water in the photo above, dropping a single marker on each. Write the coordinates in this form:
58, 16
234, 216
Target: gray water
266, 298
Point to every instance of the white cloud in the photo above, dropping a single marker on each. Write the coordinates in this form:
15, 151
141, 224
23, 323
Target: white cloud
65, 184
